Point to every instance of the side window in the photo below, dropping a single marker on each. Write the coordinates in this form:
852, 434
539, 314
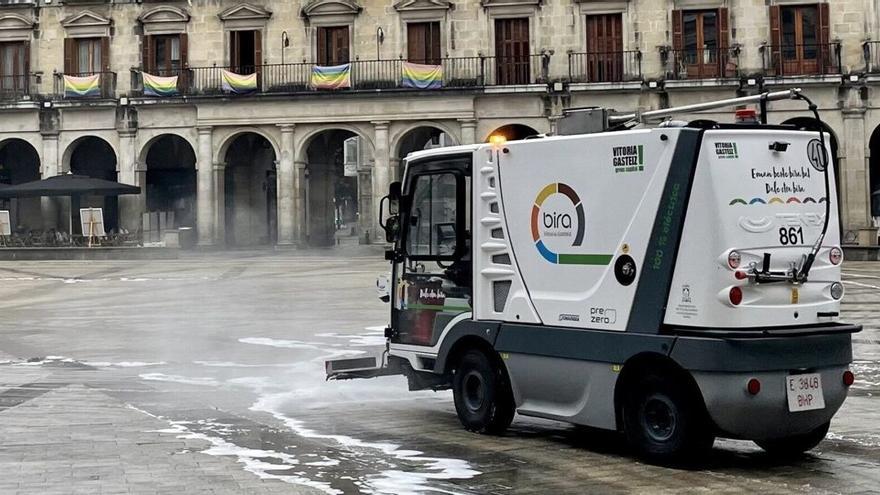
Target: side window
434, 217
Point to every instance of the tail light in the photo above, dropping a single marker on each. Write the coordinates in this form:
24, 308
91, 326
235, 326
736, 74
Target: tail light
836, 290
740, 275
734, 259
736, 296
754, 386
848, 378
835, 256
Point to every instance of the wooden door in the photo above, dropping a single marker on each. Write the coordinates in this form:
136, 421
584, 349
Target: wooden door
800, 37
423, 42
512, 51
333, 45
604, 61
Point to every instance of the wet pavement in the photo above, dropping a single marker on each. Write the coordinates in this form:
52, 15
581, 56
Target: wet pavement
205, 375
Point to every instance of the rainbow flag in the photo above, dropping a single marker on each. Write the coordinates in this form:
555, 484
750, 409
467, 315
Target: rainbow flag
159, 86
78, 87
238, 83
331, 77
421, 76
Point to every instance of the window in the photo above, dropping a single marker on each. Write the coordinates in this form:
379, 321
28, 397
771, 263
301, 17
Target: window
700, 43
423, 42
332, 45
88, 56
800, 36
604, 58
434, 220
13, 66
512, 51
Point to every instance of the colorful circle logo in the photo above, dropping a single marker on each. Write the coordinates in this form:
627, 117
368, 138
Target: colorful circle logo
556, 220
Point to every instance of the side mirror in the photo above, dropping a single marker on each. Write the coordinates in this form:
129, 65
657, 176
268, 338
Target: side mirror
395, 191
392, 228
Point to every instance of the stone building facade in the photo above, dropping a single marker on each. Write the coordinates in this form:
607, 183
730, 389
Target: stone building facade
266, 164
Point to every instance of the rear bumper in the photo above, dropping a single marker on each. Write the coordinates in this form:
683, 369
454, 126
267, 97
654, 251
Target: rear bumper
723, 363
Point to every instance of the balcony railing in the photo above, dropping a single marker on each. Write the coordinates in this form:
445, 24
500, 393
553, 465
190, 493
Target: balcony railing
871, 52
603, 67
704, 63
801, 60
365, 75
16, 87
106, 85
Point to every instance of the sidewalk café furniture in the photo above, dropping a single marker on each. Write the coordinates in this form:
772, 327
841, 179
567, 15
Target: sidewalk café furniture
70, 185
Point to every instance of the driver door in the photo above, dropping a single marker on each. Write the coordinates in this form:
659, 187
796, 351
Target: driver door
435, 275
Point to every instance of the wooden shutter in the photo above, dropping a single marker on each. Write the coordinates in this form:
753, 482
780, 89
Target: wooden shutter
434, 43
105, 54
322, 46
677, 30
824, 24
775, 38
184, 51
26, 70
415, 42
69, 46
723, 30
148, 54
233, 50
341, 48
258, 56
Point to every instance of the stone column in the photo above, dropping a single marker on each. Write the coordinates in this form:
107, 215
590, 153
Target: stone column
381, 177
299, 208
130, 209
51, 166
854, 184
219, 203
205, 187
286, 176
468, 131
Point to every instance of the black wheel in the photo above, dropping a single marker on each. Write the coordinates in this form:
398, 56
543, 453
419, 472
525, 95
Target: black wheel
483, 398
664, 422
795, 445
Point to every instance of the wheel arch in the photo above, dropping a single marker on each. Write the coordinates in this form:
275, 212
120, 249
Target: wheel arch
466, 334
651, 362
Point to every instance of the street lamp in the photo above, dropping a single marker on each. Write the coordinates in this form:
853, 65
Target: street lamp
285, 42
380, 38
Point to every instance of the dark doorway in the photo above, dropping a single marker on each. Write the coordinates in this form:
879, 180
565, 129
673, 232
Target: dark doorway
250, 201
94, 157
171, 179
420, 138
333, 43
874, 174
245, 51
20, 163
336, 183
423, 42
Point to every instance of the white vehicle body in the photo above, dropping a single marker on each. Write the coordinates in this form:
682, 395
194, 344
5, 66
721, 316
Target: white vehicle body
596, 260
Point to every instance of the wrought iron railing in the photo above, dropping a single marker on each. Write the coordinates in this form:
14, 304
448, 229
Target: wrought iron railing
106, 85
184, 79
703, 63
364, 75
801, 60
871, 52
595, 67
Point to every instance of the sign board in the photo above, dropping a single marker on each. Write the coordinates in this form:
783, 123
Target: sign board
5, 226
92, 221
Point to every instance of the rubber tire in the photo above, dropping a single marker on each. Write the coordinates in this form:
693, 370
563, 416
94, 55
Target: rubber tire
495, 409
690, 436
794, 445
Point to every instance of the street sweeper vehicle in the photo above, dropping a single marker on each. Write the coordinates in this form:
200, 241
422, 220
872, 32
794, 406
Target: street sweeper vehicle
675, 283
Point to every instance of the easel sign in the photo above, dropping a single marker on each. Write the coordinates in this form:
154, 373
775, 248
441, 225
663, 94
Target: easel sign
5, 226
92, 221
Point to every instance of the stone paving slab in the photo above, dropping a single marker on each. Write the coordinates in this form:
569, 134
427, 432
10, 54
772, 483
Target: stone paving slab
73, 439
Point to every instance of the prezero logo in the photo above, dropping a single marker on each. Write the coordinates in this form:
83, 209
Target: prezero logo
558, 214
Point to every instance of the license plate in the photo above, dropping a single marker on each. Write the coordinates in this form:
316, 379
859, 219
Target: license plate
804, 392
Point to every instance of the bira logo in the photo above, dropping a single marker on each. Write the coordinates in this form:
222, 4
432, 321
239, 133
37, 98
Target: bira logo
558, 221
628, 158
726, 151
